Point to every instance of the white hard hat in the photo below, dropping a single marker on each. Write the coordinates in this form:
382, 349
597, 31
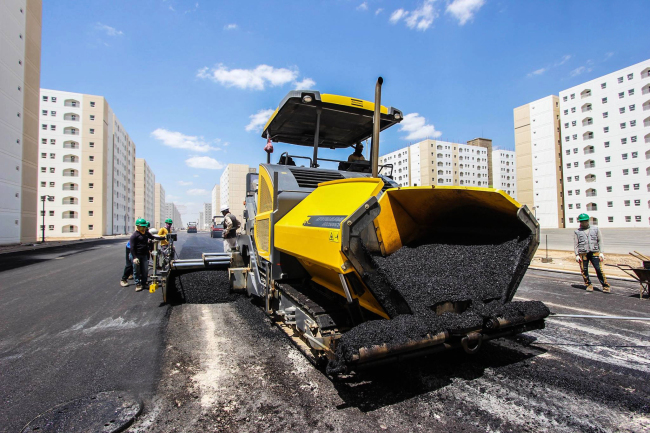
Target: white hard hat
223, 208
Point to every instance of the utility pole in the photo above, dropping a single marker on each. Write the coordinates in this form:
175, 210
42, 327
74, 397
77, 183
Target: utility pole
43, 198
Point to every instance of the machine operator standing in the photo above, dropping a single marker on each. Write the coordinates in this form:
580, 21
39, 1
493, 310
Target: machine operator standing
588, 247
230, 226
139, 244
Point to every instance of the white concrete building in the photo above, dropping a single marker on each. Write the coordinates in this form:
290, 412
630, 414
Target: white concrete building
605, 124
145, 189
159, 206
216, 200
433, 162
171, 211
503, 171
87, 167
20, 74
539, 160
233, 188
207, 215
200, 222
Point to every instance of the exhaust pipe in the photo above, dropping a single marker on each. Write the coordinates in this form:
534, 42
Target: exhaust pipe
376, 127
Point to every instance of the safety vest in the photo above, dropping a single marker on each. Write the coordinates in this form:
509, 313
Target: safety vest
587, 240
235, 225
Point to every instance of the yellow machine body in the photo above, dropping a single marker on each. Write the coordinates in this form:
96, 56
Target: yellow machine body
406, 215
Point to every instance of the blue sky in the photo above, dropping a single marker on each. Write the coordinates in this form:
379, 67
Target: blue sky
191, 81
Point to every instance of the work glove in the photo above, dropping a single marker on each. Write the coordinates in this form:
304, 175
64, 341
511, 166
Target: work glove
602, 257
578, 259
136, 261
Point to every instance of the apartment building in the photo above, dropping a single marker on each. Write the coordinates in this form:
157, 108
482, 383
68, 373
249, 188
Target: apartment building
20, 76
86, 167
233, 188
434, 162
200, 222
159, 206
539, 160
207, 215
145, 188
605, 124
216, 200
171, 211
504, 176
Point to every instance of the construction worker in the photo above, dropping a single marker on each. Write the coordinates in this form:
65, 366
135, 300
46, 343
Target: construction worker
588, 247
357, 155
139, 244
163, 232
128, 268
230, 226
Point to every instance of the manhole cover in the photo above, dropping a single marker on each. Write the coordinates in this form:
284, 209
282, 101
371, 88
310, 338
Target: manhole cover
106, 412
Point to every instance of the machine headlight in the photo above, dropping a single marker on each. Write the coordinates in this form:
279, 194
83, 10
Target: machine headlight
307, 99
397, 116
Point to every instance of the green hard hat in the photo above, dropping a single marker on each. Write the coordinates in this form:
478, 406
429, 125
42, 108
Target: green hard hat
147, 224
141, 222
169, 221
583, 217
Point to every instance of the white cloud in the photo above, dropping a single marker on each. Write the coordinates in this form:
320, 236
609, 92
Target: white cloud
171, 197
110, 31
179, 140
378, 11
464, 10
231, 27
609, 55
259, 119
363, 6
255, 79
417, 128
564, 59
397, 15
419, 19
184, 183
197, 191
306, 83
204, 162
196, 175
539, 71
580, 70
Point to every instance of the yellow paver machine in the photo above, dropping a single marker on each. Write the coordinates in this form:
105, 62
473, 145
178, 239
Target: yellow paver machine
359, 271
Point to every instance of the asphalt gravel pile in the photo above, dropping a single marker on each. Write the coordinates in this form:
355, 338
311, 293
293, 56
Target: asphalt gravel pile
414, 280
203, 287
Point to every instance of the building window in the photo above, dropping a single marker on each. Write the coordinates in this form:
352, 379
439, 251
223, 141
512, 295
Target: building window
608, 174
91, 199
630, 76
92, 103
53, 113
606, 129
637, 186
90, 213
623, 125
577, 192
566, 125
92, 117
573, 96
570, 192
623, 140
43, 140
568, 152
573, 123
567, 138
91, 158
575, 164
632, 107
607, 144
578, 206
44, 127
52, 155
570, 220
610, 204
573, 109
575, 150
91, 171
568, 165
566, 112
577, 178
575, 136
621, 110
637, 202
91, 144
604, 100
45, 98
52, 141
51, 184
43, 155
570, 206
626, 171
630, 92
44, 112
609, 189
628, 219
605, 115
610, 219
603, 86
52, 127
51, 213
620, 79
51, 169
626, 187
632, 122
637, 218
635, 154
90, 226
608, 158
621, 95
43, 169
635, 170
92, 130
564, 99
91, 185
43, 184
633, 139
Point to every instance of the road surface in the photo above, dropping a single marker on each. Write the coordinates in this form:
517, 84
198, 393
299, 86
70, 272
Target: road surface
216, 363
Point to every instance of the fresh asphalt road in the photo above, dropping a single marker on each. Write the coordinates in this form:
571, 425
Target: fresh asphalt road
69, 330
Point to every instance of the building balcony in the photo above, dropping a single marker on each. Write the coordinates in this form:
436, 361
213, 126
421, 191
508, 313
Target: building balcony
69, 229
71, 117
70, 200
590, 178
70, 172
70, 215
591, 192
70, 158
646, 89
586, 108
71, 131
585, 93
72, 103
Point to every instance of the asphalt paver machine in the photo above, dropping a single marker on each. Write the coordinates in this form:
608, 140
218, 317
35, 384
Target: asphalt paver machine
359, 271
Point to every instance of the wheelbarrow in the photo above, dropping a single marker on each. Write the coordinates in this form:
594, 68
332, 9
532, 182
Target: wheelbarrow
642, 275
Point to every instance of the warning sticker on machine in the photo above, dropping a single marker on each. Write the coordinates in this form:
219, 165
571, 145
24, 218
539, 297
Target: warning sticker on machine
334, 236
324, 221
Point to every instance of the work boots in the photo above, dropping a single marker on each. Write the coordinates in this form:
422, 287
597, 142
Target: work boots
138, 287
607, 289
124, 283
590, 288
